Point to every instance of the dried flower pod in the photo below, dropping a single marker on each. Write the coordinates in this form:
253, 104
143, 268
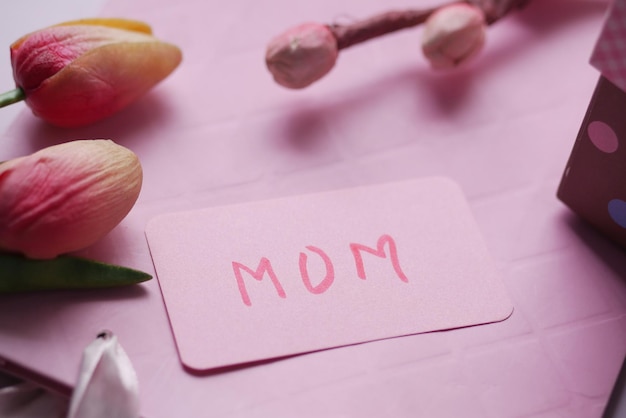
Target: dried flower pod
301, 55
453, 34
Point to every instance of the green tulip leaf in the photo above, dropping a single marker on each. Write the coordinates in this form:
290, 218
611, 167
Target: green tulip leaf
21, 274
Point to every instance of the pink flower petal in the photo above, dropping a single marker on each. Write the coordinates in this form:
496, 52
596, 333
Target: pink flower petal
66, 197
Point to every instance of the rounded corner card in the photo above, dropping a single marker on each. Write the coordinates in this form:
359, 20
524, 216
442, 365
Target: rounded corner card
268, 279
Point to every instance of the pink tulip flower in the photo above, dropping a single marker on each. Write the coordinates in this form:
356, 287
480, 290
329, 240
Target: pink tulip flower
82, 71
66, 197
453, 34
301, 55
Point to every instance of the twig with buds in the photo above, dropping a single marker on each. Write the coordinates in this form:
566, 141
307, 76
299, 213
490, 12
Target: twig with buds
453, 33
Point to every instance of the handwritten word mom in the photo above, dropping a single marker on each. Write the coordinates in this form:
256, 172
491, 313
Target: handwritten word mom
265, 268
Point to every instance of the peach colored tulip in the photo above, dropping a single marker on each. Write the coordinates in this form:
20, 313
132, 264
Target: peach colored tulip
453, 34
66, 197
301, 55
82, 71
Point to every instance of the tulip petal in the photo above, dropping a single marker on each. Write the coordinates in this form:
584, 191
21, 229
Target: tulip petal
48, 51
102, 81
65, 197
125, 24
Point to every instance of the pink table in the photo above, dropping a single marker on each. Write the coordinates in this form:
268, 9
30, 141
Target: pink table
219, 131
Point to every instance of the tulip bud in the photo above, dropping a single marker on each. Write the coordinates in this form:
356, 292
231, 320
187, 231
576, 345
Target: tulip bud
453, 34
79, 72
66, 197
301, 55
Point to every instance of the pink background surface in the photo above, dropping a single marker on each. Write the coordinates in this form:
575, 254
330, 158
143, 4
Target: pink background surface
433, 271
219, 131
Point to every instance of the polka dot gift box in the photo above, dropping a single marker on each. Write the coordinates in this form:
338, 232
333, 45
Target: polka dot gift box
594, 181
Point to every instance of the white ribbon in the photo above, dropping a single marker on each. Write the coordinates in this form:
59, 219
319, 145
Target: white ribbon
107, 385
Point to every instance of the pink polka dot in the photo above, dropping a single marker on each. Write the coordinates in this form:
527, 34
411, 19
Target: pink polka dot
603, 136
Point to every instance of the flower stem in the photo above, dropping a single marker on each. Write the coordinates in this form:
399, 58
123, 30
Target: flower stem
11, 97
384, 23
381, 24
496, 9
